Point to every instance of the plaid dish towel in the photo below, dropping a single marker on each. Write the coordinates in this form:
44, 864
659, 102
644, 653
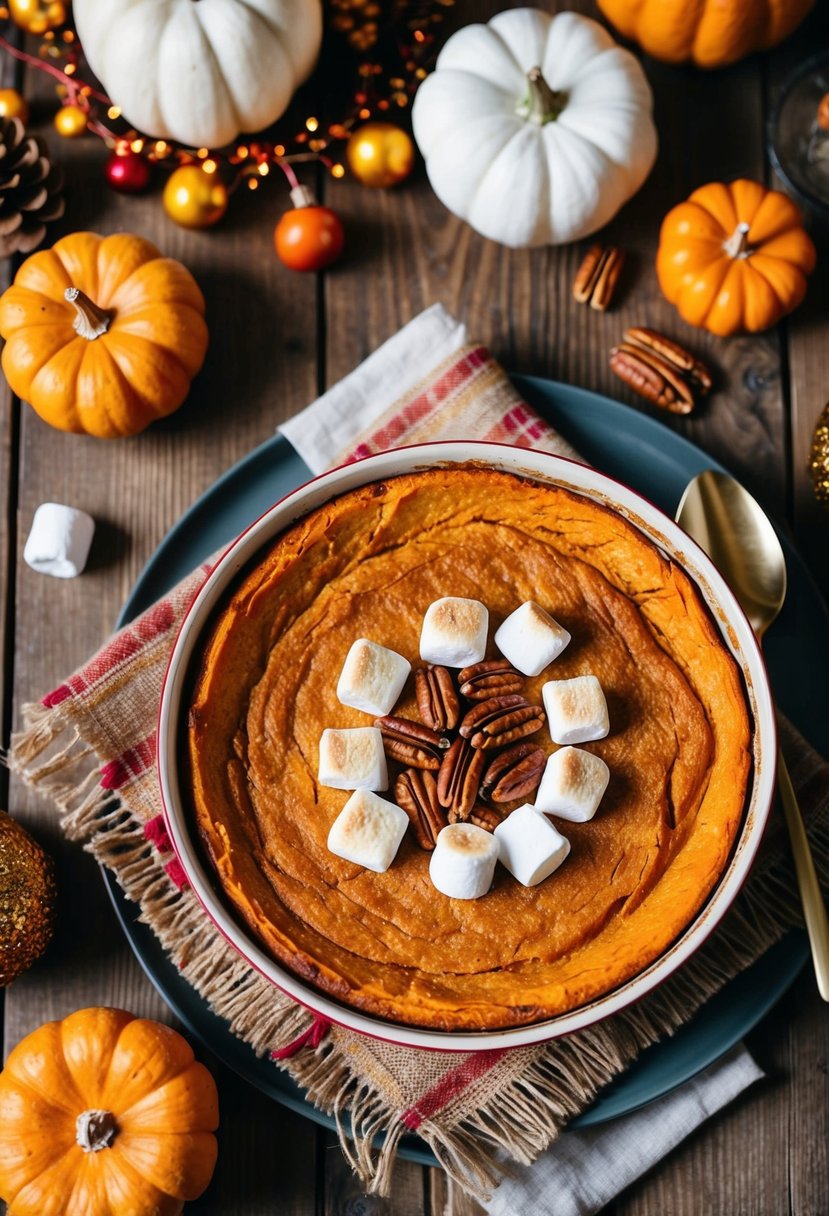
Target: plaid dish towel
477, 1111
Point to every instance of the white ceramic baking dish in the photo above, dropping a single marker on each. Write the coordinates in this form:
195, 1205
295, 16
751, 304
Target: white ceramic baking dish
736, 632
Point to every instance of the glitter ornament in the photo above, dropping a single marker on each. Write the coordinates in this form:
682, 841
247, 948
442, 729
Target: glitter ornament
37, 16
70, 122
127, 172
27, 900
819, 457
380, 154
195, 198
13, 105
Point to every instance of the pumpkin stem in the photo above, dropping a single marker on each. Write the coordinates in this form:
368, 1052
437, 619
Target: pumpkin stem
737, 245
95, 1129
90, 320
542, 104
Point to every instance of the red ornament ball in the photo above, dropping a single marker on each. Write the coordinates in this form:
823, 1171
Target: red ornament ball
127, 172
308, 237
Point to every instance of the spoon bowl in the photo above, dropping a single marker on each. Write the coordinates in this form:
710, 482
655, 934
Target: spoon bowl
738, 536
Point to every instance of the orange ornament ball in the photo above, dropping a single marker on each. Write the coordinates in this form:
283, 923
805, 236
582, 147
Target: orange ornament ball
308, 237
37, 16
13, 105
380, 154
71, 121
194, 198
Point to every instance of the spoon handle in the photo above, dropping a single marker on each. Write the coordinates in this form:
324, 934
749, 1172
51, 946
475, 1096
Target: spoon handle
814, 908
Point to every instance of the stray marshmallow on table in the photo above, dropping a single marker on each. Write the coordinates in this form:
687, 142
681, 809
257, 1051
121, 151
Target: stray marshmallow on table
529, 845
576, 709
463, 862
454, 632
573, 784
530, 638
59, 540
372, 677
353, 759
368, 831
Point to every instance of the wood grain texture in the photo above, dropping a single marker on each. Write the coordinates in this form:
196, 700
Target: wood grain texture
276, 338
343, 1195
807, 331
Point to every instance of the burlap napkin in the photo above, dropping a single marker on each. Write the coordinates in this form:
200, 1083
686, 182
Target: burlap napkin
90, 746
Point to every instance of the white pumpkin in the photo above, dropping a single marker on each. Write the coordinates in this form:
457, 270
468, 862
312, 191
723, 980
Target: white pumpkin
200, 71
535, 129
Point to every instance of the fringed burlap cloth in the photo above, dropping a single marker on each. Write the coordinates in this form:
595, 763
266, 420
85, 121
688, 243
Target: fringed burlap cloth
90, 746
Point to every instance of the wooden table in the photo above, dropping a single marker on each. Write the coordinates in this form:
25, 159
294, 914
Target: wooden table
278, 339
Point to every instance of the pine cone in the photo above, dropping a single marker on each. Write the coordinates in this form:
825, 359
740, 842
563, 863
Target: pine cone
29, 189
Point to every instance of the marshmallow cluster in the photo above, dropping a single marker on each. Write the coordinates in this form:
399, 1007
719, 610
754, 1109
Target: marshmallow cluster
372, 678
368, 831
454, 632
530, 638
463, 862
353, 759
59, 540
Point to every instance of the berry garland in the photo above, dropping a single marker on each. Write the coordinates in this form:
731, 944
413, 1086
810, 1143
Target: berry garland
374, 55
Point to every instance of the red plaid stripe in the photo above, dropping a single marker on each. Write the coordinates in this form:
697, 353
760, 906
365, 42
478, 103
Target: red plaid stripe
450, 1086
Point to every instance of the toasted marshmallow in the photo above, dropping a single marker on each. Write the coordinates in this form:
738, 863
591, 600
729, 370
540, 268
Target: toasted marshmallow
368, 831
454, 632
531, 639
463, 862
576, 709
529, 845
353, 759
573, 784
372, 678
59, 540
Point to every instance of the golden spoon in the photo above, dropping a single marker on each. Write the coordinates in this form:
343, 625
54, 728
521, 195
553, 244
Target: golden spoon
735, 532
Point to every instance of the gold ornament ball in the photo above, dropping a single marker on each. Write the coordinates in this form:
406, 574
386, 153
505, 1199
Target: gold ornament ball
27, 900
194, 198
37, 16
13, 105
380, 154
70, 121
819, 457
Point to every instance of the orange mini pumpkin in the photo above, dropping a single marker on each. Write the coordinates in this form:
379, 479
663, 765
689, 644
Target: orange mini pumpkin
710, 33
102, 1113
103, 334
734, 257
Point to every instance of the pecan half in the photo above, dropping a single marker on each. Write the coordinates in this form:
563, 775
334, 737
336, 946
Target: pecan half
412, 743
436, 698
598, 276
492, 677
483, 817
501, 720
514, 773
416, 793
459, 778
652, 377
686, 363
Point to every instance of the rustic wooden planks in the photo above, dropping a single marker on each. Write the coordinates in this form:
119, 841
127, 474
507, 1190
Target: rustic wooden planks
276, 339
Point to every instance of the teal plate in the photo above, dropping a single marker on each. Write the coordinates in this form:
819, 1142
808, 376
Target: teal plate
658, 464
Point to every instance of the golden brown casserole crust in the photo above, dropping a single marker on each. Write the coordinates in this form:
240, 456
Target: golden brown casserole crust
368, 565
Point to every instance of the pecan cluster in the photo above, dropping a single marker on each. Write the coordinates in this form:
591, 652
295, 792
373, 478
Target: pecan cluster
461, 753
660, 370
